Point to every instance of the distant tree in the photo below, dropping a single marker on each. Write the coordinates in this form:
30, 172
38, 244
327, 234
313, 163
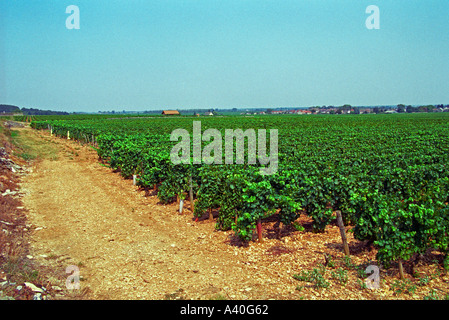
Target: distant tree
401, 108
422, 109
410, 109
376, 110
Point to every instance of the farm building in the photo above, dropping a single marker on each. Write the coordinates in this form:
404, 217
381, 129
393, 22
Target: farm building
171, 112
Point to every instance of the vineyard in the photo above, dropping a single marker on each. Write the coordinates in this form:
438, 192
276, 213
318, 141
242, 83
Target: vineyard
387, 174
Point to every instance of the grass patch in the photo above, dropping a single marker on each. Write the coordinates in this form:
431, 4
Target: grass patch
26, 156
31, 146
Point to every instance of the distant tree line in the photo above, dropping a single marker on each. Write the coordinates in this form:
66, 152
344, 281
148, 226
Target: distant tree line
410, 109
6, 108
38, 112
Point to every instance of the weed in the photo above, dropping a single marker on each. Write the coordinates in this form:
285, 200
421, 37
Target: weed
30, 275
315, 276
432, 295
361, 273
403, 286
424, 280
348, 262
341, 275
298, 227
329, 262
362, 284
299, 288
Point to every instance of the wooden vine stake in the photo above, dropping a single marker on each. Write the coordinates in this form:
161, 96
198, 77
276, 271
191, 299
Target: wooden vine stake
342, 232
259, 230
211, 216
401, 270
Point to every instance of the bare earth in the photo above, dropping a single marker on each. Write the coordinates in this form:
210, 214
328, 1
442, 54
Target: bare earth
128, 246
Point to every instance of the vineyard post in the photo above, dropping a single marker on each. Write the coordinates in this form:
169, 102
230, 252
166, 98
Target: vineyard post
191, 194
180, 197
134, 179
401, 270
259, 230
181, 205
211, 216
342, 232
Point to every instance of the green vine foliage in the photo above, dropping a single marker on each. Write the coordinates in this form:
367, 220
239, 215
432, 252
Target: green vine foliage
388, 174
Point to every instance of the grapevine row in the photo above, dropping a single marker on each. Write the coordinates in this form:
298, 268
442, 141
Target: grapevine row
387, 174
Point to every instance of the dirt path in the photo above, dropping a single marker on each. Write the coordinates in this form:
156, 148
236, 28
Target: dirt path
127, 246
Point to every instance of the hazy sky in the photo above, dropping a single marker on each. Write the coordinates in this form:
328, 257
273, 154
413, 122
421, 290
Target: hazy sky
142, 55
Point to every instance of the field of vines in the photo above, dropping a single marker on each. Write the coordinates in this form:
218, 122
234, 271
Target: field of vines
387, 174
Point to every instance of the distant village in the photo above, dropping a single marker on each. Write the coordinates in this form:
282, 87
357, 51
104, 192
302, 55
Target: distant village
348, 109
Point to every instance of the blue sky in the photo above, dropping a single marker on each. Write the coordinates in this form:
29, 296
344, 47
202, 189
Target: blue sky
143, 55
